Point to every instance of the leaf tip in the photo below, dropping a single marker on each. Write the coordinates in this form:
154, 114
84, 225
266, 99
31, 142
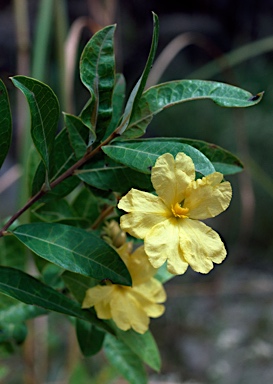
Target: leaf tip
256, 97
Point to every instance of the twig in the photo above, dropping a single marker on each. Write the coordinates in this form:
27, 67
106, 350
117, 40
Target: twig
69, 172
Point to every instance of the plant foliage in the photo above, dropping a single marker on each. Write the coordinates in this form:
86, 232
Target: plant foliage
95, 158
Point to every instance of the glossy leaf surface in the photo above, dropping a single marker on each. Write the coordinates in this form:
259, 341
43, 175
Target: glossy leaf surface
137, 91
222, 160
29, 290
118, 100
5, 123
124, 360
144, 346
44, 111
78, 284
97, 72
86, 206
59, 211
112, 176
165, 95
141, 155
76, 129
90, 338
12, 253
62, 158
74, 249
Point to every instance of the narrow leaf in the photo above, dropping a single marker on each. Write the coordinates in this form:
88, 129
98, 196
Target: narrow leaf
141, 155
118, 100
165, 95
78, 284
12, 253
113, 177
53, 211
74, 249
44, 111
97, 72
144, 346
78, 134
59, 211
125, 361
5, 123
62, 158
27, 289
90, 338
222, 160
137, 91
86, 206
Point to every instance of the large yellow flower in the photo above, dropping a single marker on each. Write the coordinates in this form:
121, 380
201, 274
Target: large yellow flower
129, 307
169, 223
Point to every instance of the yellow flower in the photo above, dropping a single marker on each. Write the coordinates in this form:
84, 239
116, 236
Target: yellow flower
129, 307
169, 223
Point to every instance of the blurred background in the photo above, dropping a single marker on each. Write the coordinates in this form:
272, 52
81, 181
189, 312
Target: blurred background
217, 328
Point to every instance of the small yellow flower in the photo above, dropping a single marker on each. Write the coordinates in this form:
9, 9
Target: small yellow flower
169, 223
129, 307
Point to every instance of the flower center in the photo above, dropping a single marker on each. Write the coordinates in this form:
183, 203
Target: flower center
180, 212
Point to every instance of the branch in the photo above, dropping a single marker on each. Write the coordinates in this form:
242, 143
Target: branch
69, 172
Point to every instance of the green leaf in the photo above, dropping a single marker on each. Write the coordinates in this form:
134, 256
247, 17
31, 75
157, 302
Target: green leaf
222, 160
62, 159
59, 211
137, 91
144, 346
12, 253
27, 289
86, 206
51, 275
74, 249
124, 360
5, 123
44, 110
141, 155
97, 72
33, 163
78, 284
118, 100
78, 134
163, 275
165, 95
111, 176
90, 338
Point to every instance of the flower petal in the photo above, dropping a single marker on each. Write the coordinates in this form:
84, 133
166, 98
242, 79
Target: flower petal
96, 294
99, 296
162, 243
148, 304
176, 264
152, 290
140, 201
127, 313
208, 197
171, 177
141, 270
145, 210
201, 245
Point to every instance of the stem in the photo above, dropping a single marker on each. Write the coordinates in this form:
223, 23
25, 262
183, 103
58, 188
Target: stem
69, 172
102, 216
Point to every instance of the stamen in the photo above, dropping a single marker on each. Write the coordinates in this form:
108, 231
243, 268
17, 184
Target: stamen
179, 211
